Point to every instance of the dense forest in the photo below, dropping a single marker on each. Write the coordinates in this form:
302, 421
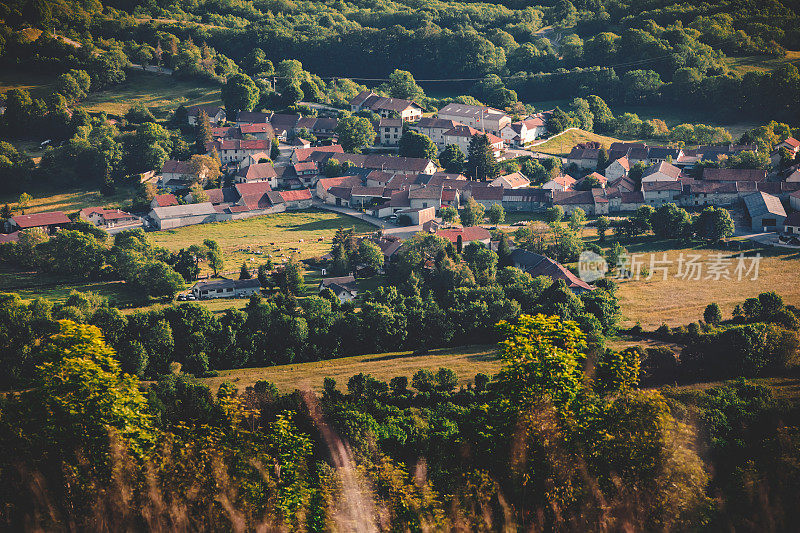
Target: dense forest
632, 52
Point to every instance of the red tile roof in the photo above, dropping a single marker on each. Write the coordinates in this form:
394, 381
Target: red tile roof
295, 196
304, 153
40, 219
468, 234
165, 200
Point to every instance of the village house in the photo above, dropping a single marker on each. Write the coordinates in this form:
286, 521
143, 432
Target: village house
698, 193
344, 287
303, 154
258, 172
521, 133
657, 193
285, 125
324, 127
419, 215
581, 184
163, 200
389, 131
487, 196
111, 220
176, 216
361, 196
662, 154
791, 144
425, 196
226, 288
324, 185
236, 150
435, 128
623, 183
792, 223
629, 201
528, 199
569, 201
618, 168
216, 114
179, 174
539, 265
734, 174
398, 202
260, 131
407, 110
252, 159
560, 183
461, 136
252, 117
635, 152
386, 163
293, 200
584, 156
515, 180
475, 116
466, 235
765, 210
661, 172
49, 221
794, 200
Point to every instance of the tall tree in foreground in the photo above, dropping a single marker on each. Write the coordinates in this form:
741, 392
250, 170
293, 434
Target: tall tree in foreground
481, 165
452, 159
413, 144
355, 133
239, 94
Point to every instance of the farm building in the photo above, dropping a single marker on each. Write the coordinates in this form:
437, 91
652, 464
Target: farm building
50, 221
766, 211
226, 288
183, 215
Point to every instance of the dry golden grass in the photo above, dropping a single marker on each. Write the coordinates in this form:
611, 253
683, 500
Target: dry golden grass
677, 301
161, 94
564, 143
466, 362
70, 201
255, 239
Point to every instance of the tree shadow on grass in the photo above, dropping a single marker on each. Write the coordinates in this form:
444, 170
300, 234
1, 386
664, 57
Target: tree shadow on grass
482, 353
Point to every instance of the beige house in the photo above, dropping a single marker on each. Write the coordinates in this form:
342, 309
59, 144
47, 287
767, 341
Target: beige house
407, 110
661, 172
515, 180
518, 134
618, 169
461, 136
389, 131
435, 128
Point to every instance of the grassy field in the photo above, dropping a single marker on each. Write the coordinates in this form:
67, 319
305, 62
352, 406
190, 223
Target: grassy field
466, 362
677, 301
254, 239
161, 94
562, 144
745, 64
46, 199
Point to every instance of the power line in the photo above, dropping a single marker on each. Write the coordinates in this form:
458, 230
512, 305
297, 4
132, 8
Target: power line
512, 77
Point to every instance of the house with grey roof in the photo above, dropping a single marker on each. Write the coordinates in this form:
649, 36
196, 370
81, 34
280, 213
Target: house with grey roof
176, 216
226, 288
766, 211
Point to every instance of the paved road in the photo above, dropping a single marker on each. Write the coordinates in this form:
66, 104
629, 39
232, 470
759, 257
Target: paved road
354, 213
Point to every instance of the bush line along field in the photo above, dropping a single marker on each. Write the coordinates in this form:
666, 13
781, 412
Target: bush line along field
465, 362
